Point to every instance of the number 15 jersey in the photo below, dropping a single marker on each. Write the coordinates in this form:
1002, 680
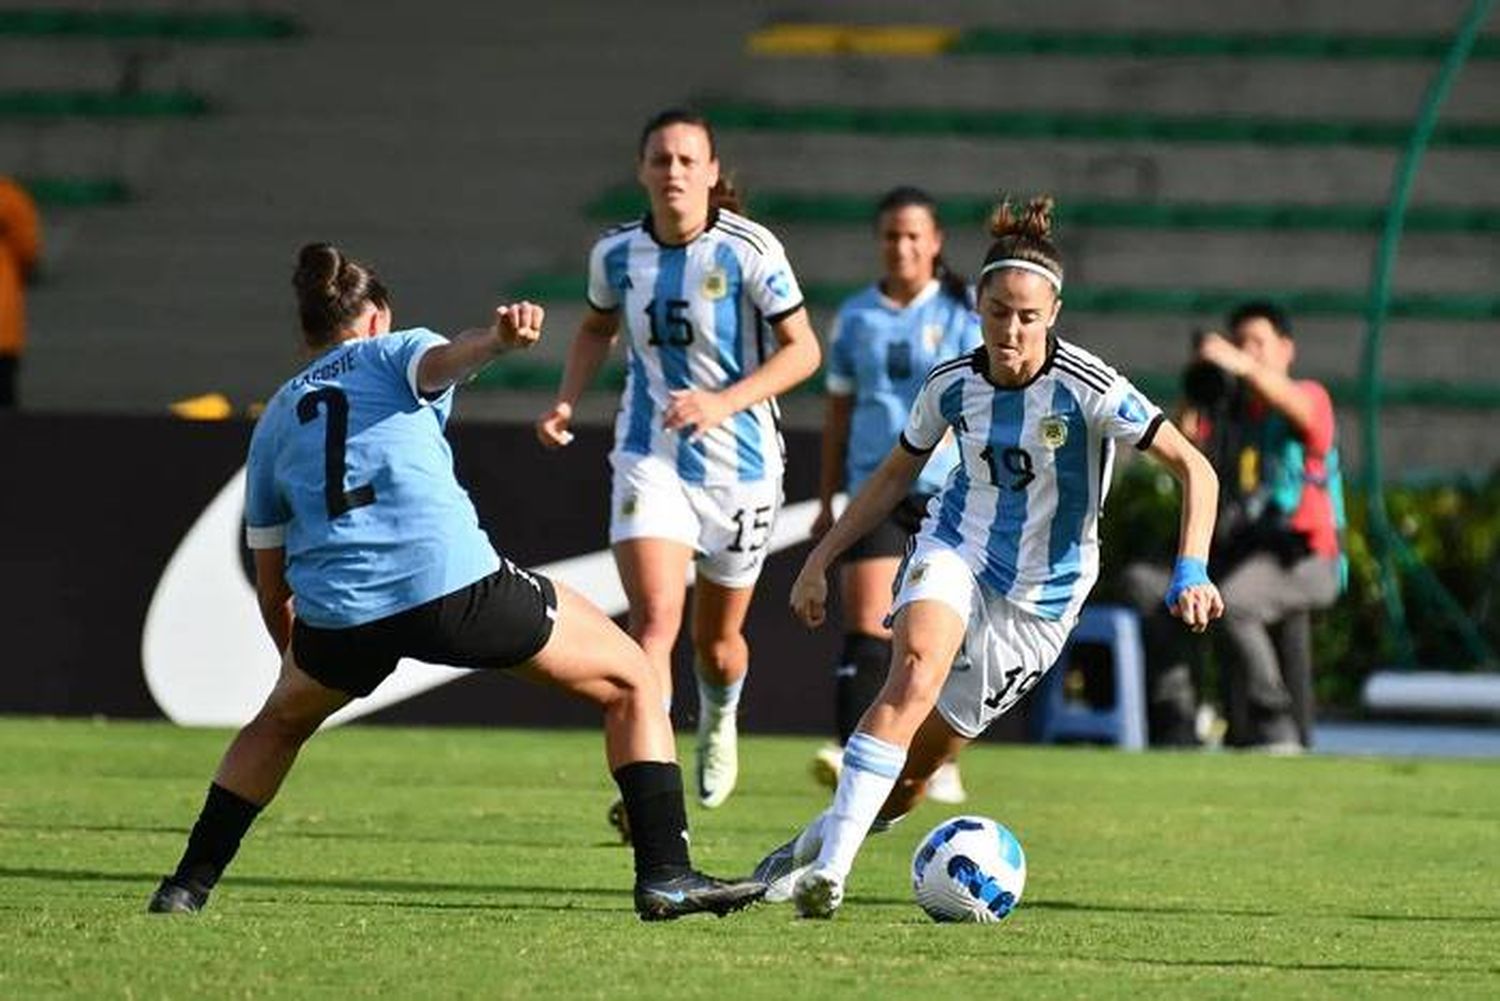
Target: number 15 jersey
349, 470
1022, 506
697, 316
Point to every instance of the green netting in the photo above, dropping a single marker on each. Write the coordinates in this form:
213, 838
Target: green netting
1164, 302
1294, 45
848, 209
76, 192
100, 104
183, 26
1106, 126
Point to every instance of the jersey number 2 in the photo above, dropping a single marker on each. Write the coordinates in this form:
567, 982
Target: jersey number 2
334, 439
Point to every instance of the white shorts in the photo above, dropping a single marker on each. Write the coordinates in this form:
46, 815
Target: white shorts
1005, 650
729, 526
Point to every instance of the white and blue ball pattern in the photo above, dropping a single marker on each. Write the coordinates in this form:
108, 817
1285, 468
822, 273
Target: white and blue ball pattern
968, 869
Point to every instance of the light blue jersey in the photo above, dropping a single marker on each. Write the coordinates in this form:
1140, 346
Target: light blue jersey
697, 317
1022, 506
880, 353
349, 470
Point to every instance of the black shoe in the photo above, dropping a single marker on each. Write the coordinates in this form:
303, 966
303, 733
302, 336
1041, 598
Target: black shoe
692, 893
174, 897
620, 820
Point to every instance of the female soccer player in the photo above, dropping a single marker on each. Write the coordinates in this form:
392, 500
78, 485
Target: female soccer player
368, 550
1005, 558
884, 341
697, 459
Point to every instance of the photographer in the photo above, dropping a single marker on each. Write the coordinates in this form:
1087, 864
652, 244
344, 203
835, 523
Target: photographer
1276, 553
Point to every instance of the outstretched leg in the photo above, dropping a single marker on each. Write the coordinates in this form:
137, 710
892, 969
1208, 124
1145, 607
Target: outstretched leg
249, 776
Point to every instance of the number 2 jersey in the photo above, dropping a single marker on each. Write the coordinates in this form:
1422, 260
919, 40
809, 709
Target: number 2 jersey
349, 470
697, 316
1022, 507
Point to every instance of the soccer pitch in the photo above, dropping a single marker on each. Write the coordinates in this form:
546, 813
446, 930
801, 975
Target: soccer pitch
440, 862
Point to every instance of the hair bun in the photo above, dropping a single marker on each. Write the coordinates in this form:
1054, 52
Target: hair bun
1032, 223
318, 267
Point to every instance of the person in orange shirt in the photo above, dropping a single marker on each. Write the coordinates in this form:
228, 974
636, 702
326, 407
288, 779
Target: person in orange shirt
20, 247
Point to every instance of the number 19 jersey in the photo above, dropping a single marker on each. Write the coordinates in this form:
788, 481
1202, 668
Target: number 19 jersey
1022, 506
697, 316
350, 472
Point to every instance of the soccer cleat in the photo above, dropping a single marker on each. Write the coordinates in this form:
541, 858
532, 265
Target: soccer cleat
818, 893
946, 785
718, 757
620, 820
827, 764
175, 897
693, 893
779, 871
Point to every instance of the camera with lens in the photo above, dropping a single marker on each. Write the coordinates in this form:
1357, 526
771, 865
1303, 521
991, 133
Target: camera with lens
1205, 385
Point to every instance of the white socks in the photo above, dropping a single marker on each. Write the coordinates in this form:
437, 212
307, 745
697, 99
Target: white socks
716, 700
871, 767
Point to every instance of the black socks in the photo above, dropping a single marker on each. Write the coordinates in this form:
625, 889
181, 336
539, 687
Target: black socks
216, 837
652, 791
857, 679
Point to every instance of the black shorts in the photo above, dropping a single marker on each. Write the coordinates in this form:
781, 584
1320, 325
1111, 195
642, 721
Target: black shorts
889, 538
498, 621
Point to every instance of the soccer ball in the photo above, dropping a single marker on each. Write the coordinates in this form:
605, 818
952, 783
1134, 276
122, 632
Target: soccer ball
968, 869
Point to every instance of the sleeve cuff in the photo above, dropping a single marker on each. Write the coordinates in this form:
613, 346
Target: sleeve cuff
913, 449
1150, 435
598, 308
411, 377
265, 536
782, 314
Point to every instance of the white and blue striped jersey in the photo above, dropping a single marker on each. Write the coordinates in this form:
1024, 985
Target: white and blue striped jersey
880, 352
1022, 507
698, 317
350, 472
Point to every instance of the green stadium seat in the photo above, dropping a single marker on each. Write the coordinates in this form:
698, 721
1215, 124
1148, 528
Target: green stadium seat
30, 104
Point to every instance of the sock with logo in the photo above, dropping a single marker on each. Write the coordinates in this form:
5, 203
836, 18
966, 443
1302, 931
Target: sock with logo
871, 767
215, 838
652, 791
857, 680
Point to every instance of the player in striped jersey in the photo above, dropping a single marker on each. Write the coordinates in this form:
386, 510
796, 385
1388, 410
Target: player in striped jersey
884, 340
716, 329
1006, 555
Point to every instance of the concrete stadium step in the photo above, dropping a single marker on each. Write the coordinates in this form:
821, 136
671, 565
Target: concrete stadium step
119, 149
1331, 16
192, 26
31, 65
1103, 170
1119, 126
776, 208
824, 39
1002, 97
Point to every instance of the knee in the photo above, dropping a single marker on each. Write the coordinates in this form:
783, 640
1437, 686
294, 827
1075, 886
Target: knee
656, 622
719, 650
285, 724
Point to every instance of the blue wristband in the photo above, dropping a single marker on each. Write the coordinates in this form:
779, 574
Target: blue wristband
1188, 572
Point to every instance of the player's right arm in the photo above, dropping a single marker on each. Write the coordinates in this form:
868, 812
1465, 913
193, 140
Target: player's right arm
596, 336
274, 595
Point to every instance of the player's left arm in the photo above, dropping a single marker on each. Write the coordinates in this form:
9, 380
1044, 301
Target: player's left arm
514, 328
796, 358
274, 595
1192, 597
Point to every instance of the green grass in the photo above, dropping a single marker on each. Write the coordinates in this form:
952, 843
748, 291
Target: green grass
438, 863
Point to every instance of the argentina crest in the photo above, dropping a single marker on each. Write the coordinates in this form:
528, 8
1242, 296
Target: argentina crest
1054, 430
715, 284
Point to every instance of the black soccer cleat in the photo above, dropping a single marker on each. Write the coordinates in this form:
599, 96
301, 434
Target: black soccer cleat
620, 820
178, 897
693, 893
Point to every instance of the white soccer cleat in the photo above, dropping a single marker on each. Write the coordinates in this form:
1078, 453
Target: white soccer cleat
827, 764
718, 757
947, 785
786, 864
818, 893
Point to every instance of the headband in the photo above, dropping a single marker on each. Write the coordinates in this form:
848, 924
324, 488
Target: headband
1052, 277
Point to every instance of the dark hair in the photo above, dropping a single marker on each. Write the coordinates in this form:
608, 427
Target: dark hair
332, 291
954, 285
1023, 236
1263, 309
724, 194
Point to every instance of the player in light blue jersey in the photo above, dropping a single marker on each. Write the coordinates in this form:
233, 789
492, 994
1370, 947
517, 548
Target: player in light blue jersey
1007, 552
368, 550
884, 341
715, 329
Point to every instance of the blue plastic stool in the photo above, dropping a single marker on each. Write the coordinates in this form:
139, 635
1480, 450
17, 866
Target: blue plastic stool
1096, 692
